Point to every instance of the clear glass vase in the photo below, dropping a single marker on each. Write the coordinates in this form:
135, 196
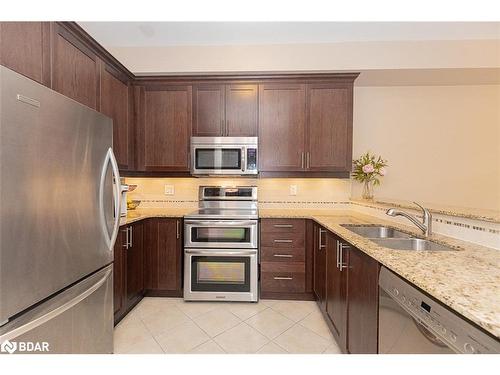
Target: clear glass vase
367, 190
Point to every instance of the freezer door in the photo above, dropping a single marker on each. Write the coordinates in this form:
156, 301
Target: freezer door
57, 194
78, 320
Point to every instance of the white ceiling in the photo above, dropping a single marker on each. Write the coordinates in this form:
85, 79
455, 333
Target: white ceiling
149, 34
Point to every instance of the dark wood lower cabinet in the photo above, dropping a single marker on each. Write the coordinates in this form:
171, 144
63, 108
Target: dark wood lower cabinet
163, 257
128, 269
118, 272
362, 291
346, 290
336, 292
147, 261
319, 256
134, 256
286, 268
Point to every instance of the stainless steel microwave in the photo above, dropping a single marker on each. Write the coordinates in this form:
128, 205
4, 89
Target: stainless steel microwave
224, 156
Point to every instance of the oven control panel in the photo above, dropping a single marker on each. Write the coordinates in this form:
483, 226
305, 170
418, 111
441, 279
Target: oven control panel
448, 326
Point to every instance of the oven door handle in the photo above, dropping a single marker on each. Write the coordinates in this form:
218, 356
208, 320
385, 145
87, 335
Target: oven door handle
221, 223
221, 253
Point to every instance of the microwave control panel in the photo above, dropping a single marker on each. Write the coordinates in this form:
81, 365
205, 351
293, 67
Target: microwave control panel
252, 159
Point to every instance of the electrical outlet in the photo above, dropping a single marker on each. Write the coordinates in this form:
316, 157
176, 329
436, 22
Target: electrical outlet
293, 189
169, 190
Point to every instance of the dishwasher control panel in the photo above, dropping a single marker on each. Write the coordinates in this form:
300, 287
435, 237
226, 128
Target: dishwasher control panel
448, 326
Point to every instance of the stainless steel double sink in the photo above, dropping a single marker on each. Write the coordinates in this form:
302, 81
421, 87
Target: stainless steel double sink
395, 239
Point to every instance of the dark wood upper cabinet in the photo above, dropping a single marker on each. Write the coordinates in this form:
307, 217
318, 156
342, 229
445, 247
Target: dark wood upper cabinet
163, 257
208, 110
329, 127
225, 110
116, 103
336, 291
319, 256
75, 68
362, 335
25, 48
241, 110
282, 110
163, 127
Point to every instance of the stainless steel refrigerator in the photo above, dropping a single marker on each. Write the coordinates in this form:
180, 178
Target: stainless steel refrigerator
59, 217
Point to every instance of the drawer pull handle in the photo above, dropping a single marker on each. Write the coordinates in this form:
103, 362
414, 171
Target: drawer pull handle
283, 225
283, 256
283, 241
282, 278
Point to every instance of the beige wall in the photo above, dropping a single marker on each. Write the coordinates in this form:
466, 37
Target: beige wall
442, 142
354, 56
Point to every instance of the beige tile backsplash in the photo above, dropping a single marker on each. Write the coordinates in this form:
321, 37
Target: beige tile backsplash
311, 190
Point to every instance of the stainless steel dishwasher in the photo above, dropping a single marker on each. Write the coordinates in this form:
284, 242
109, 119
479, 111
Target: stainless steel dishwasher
412, 322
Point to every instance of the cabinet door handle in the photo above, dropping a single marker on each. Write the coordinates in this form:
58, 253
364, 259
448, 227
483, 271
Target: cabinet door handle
177, 231
283, 225
338, 254
302, 160
282, 278
308, 160
130, 237
321, 246
283, 256
341, 263
283, 241
126, 238
227, 127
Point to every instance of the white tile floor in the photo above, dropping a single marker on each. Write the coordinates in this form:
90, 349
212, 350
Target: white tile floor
170, 325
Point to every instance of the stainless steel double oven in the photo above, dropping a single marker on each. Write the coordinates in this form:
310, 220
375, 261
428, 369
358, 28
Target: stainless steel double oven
221, 245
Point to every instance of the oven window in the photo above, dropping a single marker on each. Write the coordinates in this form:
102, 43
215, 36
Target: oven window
221, 235
218, 158
220, 274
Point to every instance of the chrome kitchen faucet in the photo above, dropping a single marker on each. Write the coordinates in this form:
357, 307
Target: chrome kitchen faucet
425, 226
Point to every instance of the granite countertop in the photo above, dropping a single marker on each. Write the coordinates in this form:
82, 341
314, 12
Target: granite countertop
145, 213
467, 280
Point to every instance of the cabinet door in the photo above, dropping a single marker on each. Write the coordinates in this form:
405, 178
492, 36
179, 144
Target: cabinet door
135, 263
336, 292
163, 263
329, 128
241, 111
164, 128
25, 48
75, 68
281, 127
115, 103
319, 251
118, 270
208, 110
362, 319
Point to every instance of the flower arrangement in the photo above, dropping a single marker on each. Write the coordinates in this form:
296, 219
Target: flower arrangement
368, 169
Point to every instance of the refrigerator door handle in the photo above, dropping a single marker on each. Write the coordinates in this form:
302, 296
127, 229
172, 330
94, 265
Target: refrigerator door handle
110, 159
38, 321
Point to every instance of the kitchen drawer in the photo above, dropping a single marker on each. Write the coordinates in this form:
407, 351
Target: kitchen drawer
283, 277
280, 254
283, 226
282, 240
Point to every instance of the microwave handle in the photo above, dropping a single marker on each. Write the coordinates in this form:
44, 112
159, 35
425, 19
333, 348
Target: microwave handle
243, 159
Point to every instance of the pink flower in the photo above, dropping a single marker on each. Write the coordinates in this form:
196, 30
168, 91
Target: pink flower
382, 171
368, 168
